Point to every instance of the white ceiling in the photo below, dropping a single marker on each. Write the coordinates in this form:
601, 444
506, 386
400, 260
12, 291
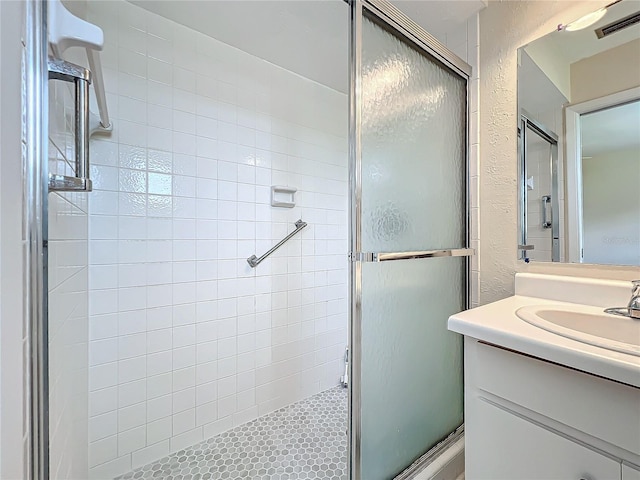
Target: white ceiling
440, 16
574, 46
611, 130
308, 37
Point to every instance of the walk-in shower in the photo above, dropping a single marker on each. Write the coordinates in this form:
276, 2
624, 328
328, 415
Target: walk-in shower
278, 181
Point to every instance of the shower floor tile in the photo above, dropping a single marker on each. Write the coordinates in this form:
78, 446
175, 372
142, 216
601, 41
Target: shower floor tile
306, 440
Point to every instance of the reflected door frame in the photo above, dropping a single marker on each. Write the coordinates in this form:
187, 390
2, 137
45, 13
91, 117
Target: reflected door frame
573, 154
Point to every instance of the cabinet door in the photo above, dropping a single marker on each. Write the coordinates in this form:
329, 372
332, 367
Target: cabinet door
629, 473
503, 446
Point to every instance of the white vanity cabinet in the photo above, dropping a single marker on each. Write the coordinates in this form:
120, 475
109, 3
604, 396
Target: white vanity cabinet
516, 448
530, 419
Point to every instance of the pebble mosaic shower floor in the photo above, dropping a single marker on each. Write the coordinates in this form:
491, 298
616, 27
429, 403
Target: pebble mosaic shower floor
306, 440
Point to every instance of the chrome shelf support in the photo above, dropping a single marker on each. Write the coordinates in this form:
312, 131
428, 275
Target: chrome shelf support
81, 78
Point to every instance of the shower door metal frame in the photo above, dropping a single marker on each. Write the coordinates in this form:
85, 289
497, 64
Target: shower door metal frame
393, 20
527, 123
35, 214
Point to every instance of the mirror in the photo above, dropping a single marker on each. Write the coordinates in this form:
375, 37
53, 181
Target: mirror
579, 140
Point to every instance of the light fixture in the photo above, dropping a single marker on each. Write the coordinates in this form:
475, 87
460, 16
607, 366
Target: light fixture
584, 21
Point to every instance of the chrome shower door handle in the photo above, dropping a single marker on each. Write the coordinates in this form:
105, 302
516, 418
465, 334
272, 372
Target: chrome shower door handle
411, 255
81, 78
546, 205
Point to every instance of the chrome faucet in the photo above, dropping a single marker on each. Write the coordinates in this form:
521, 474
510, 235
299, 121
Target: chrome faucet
633, 309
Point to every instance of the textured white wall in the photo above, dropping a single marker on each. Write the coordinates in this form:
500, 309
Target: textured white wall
505, 26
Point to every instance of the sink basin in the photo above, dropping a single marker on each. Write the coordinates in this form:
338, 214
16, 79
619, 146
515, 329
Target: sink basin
586, 324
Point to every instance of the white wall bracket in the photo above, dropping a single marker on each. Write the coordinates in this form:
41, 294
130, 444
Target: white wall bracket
65, 31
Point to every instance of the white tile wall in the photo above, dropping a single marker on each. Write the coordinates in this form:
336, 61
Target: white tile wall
538, 164
68, 300
473, 58
186, 340
463, 40
538, 168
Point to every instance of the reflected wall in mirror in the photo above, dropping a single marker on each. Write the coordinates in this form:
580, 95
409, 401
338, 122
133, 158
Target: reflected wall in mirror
579, 141
610, 142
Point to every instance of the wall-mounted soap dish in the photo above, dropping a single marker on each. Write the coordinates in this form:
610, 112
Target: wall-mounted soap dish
283, 196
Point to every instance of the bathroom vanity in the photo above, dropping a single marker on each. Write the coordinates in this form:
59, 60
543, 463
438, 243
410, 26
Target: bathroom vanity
551, 403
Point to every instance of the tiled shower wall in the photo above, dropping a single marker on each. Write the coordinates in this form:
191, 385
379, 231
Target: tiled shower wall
463, 40
68, 298
186, 340
538, 167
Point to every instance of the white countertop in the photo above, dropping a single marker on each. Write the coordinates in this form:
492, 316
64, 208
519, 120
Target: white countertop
498, 324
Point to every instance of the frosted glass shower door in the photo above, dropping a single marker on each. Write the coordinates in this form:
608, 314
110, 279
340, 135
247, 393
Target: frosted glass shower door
409, 243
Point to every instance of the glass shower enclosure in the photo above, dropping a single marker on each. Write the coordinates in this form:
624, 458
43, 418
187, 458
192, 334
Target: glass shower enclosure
409, 241
409, 249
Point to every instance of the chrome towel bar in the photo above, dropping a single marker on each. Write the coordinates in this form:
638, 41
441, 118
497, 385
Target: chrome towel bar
255, 261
